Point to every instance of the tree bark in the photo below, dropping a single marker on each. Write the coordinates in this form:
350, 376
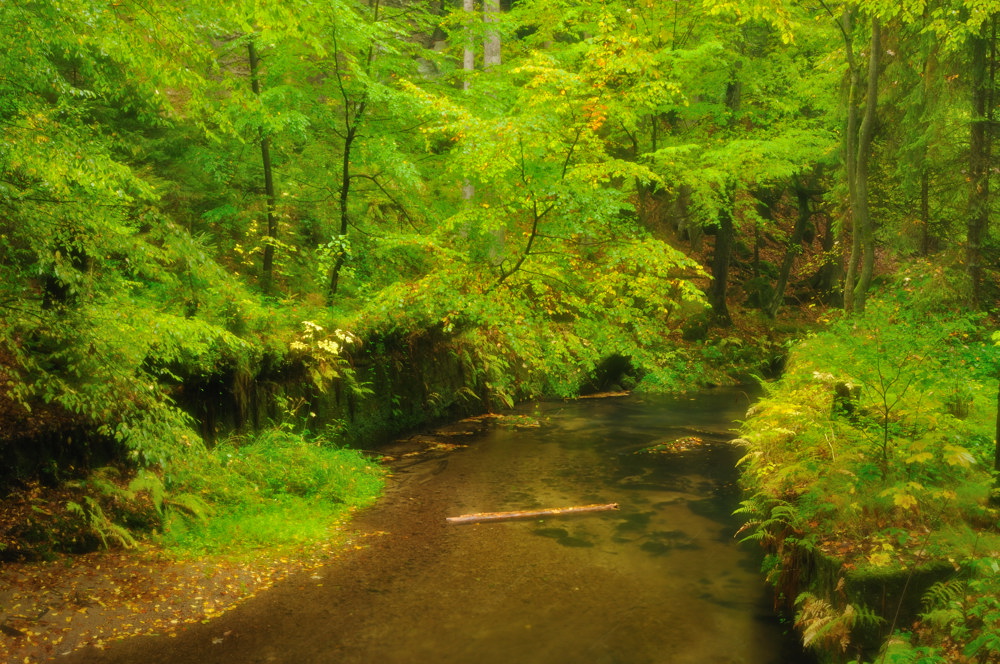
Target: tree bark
353, 115
529, 514
979, 162
469, 55
861, 266
267, 269
468, 66
724, 238
925, 212
996, 456
826, 281
343, 201
803, 194
995, 494
491, 46
851, 156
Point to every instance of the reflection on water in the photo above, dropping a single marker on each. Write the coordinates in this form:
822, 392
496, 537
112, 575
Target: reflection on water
661, 580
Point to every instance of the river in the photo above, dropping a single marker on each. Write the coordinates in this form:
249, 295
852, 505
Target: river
662, 580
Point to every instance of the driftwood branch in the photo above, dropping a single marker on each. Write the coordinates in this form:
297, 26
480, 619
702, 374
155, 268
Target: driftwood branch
528, 514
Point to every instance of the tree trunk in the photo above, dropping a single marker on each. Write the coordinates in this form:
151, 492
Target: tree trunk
344, 200
491, 47
353, 115
267, 269
724, 238
996, 456
826, 281
995, 494
862, 261
865, 141
469, 56
469, 66
925, 212
979, 162
803, 194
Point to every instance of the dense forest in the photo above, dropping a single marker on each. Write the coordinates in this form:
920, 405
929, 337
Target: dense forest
237, 238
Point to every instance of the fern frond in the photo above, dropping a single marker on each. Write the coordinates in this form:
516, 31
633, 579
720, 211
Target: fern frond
944, 593
147, 481
191, 504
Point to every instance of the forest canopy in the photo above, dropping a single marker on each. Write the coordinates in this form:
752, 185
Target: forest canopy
246, 193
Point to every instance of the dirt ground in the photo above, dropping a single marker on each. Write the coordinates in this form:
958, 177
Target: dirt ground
51, 610
48, 610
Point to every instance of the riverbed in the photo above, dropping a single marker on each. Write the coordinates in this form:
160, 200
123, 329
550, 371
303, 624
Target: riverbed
660, 580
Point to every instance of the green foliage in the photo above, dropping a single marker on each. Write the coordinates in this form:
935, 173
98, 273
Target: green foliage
274, 489
98, 523
900, 452
827, 627
899, 650
876, 447
963, 613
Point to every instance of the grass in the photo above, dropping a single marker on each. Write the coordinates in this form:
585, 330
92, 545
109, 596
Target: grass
275, 489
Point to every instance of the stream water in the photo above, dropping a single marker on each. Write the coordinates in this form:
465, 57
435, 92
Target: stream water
661, 581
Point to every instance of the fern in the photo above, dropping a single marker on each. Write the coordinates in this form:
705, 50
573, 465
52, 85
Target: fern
191, 504
942, 618
944, 594
773, 516
99, 524
824, 626
149, 482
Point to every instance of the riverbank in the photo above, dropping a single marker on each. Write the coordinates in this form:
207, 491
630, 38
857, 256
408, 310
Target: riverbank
868, 476
50, 609
56, 607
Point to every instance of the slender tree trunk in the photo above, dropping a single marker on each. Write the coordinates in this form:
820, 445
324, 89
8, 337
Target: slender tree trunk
353, 115
979, 161
726, 235
491, 47
996, 456
925, 212
995, 494
803, 194
343, 200
860, 134
469, 56
469, 66
724, 238
851, 155
267, 269
865, 139
931, 78
491, 58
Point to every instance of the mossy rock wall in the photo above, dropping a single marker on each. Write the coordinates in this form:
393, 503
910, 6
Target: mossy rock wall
407, 383
894, 595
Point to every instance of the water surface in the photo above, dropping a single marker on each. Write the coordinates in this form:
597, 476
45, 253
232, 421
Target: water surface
661, 581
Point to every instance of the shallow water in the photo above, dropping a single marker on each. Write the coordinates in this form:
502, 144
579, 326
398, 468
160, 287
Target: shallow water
661, 580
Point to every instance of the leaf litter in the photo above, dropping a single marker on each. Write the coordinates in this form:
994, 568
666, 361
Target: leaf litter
49, 609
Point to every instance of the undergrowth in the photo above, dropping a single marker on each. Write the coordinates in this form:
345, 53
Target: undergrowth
876, 449
276, 488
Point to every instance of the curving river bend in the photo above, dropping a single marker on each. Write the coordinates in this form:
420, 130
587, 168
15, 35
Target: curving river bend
660, 581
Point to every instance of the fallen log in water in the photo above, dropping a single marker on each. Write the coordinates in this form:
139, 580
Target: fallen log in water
527, 514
